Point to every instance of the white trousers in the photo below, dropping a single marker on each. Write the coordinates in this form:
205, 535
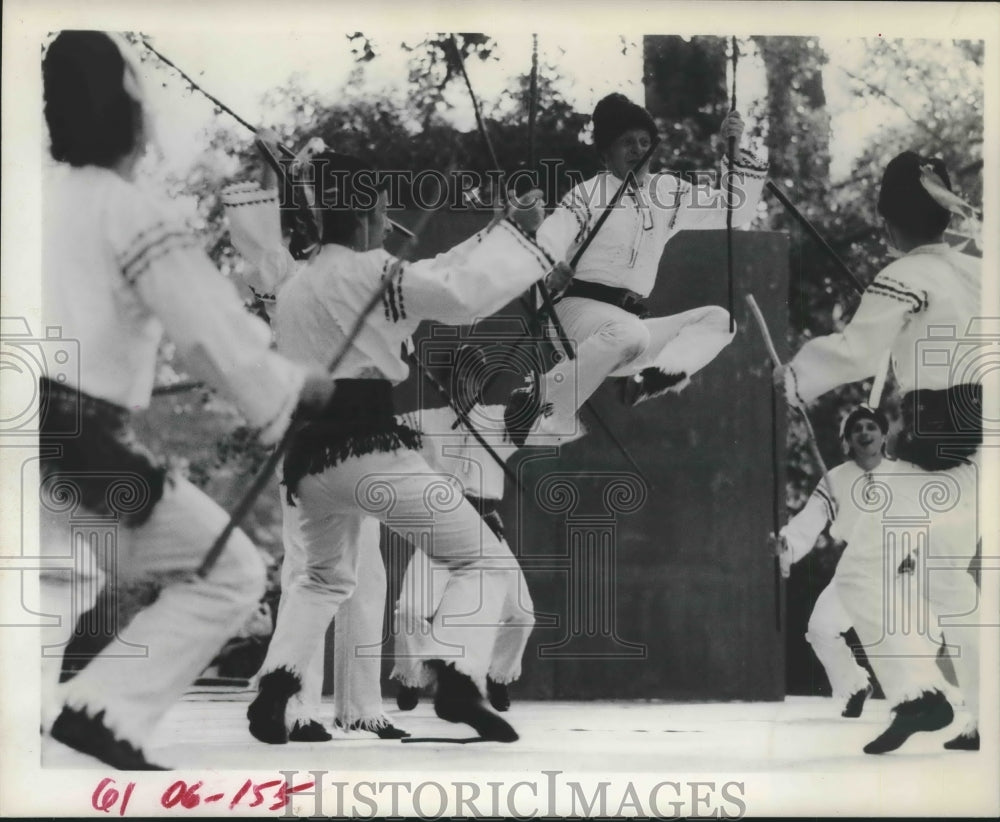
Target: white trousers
403, 492
419, 617
357, 655
611, 342
900, 617
177, 636
827, 624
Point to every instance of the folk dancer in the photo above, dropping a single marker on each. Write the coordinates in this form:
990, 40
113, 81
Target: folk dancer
602, 311
863, 433
361, 461
257, 233
118, 271
929, 290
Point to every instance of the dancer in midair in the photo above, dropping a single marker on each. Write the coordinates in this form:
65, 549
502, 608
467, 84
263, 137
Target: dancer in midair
602, 310
930, 288
119, 272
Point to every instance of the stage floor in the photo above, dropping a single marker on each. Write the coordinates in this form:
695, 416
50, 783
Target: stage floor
208, 730
796, 757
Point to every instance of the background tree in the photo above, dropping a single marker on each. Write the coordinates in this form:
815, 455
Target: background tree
685, 82
936, 88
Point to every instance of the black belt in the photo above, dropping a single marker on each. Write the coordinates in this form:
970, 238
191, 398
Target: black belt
941, 428
622, 298
489, 510
482, 505
89, 452
360, 419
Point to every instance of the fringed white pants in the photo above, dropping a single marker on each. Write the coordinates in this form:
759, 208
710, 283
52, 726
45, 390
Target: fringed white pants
357, 656
403, 492
162, 650
611, 342
419, 616
900, 617
827, 624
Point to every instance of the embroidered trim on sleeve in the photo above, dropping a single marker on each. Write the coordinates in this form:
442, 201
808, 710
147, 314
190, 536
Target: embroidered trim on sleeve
399, 290
261, 295
389, 302
392, 297
244, 194
150, 246
577, 205
529, 244
749, 162
883, 286
795, 387
828, 503
232, 204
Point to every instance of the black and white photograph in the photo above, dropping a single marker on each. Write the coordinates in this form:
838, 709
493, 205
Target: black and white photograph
471, 410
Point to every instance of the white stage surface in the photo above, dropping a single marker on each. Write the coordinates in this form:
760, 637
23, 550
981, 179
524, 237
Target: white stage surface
794, 757
208, 729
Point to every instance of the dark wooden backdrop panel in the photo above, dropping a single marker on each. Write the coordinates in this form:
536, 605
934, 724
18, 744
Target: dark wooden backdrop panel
666, 591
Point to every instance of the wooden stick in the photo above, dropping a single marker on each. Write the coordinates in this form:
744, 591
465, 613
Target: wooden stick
776, 490
731, 151
463, 419
878, 383
540, 286
630, 177
618, 444
262, 478
776, 361
775, 507
811, 230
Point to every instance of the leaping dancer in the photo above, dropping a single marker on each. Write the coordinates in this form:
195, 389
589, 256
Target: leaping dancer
602, 310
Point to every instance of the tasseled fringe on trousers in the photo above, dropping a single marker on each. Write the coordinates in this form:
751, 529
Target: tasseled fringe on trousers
413, 675
506, 678
359, 420
420, 676
374, 724
314, 451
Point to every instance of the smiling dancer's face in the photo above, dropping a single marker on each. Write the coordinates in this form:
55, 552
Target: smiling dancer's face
626, 151
865, 438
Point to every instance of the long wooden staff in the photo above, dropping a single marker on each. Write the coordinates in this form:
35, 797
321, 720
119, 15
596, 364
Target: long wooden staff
813, 447
812, 231
481, 125
731, 150
776, 361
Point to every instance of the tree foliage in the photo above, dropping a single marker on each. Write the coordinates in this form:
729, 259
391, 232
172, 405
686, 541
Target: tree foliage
936, 87
685, 80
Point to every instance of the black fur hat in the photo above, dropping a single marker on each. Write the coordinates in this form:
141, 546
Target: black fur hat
616, 114
860, 413
343, 187
905, 203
